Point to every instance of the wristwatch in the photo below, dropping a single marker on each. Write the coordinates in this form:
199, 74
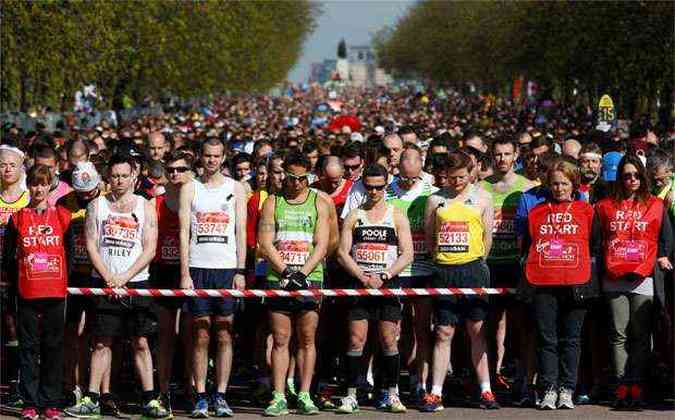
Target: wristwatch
384, 276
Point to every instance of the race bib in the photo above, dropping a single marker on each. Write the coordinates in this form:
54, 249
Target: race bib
293, 253
212, 227
120, 232
371, 256
419, 244
80, 255
169, 251
453, 237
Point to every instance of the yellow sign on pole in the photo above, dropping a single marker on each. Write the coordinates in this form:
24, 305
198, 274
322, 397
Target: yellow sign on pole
606, 109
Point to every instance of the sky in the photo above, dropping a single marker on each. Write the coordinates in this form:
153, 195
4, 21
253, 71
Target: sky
354, 21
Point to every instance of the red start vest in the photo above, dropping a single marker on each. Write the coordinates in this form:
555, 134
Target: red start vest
40, 252
560, 252
630, 233
168, 250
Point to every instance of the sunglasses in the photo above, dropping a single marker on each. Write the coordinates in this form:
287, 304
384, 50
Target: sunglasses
410, 179
374, 187
352, 167
177, 169
630, 175
299, 178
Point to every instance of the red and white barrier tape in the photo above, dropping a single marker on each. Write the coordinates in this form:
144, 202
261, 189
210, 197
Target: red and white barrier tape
258, 293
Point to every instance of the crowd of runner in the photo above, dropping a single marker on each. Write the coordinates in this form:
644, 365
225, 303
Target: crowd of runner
361, 190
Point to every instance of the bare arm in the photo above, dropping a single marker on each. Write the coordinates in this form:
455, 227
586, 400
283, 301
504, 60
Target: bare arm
405, 243
184, 208
240, 196
430, 222
240, 227
266, 234
91, 237
344, 251
149, 243
334, 241
488, 222
321, 238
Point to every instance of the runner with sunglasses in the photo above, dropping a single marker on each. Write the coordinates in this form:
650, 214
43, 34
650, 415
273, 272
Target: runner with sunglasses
294, 238
165, 270
376, 245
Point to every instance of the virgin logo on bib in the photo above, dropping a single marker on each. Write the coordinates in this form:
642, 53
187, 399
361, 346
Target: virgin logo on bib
212, 227
453, 237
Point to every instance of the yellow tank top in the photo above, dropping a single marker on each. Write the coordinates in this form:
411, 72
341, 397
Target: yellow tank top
459, 234
7, 208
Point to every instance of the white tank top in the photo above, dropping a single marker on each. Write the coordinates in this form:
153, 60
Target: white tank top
212, 222
120, 240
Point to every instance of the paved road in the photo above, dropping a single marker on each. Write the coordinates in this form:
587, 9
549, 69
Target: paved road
582, 412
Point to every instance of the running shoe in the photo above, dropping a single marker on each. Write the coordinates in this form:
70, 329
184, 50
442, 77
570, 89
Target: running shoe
550, 399
395, 405
565, 399
154, 409
636, 397
14, 400
278, 406
291, 393
382, 400
502, 383
488, 401
85, 409
306, 406
621, 397
432, 403
324, 400
262, 393
221, 408
51, 413
30, 413
417, 397
348, 405
109, 406
201, 409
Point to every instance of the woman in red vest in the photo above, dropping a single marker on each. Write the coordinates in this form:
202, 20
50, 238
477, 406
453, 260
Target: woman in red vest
637, 239
560, 243
35, 253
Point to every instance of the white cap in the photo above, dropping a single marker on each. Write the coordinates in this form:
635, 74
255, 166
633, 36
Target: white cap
356, 137
379, 130
85, 177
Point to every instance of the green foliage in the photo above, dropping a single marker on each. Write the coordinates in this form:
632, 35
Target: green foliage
139, 48
624, 48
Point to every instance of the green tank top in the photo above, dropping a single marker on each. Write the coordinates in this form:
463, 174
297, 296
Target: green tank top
294, 238
413, 204
504, 241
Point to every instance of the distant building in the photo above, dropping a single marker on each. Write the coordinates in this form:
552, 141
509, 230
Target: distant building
359, 69
363, 70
